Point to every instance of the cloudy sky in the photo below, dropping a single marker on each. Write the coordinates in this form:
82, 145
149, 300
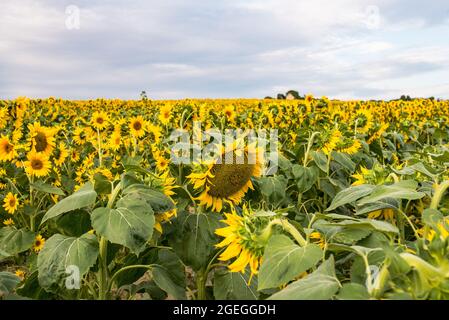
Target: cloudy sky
229, 48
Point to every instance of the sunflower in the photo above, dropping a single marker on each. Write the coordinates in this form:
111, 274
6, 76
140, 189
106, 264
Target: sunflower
115, 141
376, 135
99, 120
360, 176
37, 165
228, 181
318, 239
165, 114
363, 121
240, 242
39, 242
331, 140
3, 117
168, 184
11, 203
156, 131
164, 217
162, 163
8, 222
377, 175
137, 127
386, 214
350, 146
62, 154
20, 274
7, 149
42, 139
441, 230
229, 113
74, 155
80, 136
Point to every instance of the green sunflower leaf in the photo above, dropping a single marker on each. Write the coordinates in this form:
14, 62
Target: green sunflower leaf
283, 261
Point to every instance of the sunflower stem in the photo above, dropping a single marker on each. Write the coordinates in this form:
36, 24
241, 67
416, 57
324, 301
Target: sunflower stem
266, 233
136, 266
103, 269
100, 155
104, 282
309, 147
440, 189
294, 232
32, 216
201, 278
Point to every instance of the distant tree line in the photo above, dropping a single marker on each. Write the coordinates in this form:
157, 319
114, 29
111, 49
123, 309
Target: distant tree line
294, 95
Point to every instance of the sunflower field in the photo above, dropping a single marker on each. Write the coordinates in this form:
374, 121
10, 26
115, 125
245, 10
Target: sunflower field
93, 205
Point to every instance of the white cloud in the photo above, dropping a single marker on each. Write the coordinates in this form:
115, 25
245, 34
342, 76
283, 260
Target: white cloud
222, 49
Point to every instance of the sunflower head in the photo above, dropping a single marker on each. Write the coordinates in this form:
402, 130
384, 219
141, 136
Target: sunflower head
162, 163
39, 243
11, 203
7, 149
363, 121
115, 141
137, 127
228, 178
330, 140
229, 113
8, 222
61, 154
349, 146
99, 120
37, 164
242, 240
165, 114
377, 175
20, 274
42, 139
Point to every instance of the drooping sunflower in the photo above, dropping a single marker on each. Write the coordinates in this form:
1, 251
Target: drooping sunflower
330, 141
349, 146
363, 121
360, 176
377, 175
166, 184
37, 165
11, 203
137, 127
241, 242
228, 178
7, 149
39, 243
61, 154
376, 135
99, 120
42, 139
